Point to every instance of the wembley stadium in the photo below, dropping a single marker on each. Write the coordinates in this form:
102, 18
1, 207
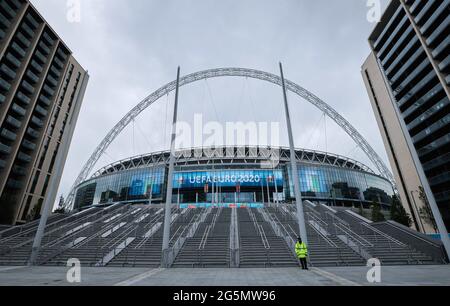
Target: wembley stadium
235, 176
233, 207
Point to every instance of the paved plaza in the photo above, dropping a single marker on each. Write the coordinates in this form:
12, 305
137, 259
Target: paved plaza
338, 276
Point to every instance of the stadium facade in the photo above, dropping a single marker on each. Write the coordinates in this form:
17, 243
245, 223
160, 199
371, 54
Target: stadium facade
234, 176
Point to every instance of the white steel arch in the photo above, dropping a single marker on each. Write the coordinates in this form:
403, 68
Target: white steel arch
230, 72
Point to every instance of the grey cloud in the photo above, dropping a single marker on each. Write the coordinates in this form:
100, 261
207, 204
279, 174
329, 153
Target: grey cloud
132, 47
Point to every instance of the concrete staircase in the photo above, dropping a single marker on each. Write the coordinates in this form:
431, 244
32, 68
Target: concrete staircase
325, 250
131, 235
146, 249
209, 247
259, 245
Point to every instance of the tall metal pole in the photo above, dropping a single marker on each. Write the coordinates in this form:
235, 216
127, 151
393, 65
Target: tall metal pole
56, 176
168, 213
295, 178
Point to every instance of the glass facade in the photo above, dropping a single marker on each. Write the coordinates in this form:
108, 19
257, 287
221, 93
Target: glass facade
231, 186
228, 178
324, 182
129, 185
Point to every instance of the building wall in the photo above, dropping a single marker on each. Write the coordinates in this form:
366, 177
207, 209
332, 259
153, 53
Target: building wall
402, 164
408, 70
43, 86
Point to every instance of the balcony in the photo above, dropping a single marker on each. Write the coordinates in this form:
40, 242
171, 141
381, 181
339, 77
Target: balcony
444, 65
32, 21
4, 148
27, 30
18, 110
423, 12
55, 71
7, 134
38, 122
62, 54
13, 122
18, 170
40, 56
14, 184
18, 49
24, 157
47, 38
5, 86
48, 90
58, 63
41, 111
44, 48
33, 77
27, 86
431, 41
444, 102
45, 100
4, 21
23, 98
439, 51
28, 145
16, 4
36, 66
32, 133
8, 10
21, 38
419, 86
13, 60
52, 81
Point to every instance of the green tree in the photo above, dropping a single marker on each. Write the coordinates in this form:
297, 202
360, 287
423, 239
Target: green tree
60, 209
377, 215
425, 211
398, 212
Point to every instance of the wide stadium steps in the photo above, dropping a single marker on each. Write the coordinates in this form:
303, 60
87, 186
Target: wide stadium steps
210, 245
147, 251
259, 246
323, 251
131, 235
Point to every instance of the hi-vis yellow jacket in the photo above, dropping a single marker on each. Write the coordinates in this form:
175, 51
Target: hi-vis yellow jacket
301, 250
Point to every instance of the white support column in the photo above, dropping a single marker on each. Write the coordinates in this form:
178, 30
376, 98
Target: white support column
168, 212
295, 177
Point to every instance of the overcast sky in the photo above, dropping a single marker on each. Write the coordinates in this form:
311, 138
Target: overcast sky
133, 47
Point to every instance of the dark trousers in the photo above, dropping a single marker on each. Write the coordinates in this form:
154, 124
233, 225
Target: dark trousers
304, 263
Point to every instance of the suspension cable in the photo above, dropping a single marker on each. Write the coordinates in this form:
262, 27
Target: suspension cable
143, 134
165, 121
326, 137
212, 100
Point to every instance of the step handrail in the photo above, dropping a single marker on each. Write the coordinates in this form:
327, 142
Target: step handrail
392, 239
354, 236
263, 236
97, 233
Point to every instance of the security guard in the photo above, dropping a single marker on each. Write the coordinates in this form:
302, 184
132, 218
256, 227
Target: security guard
302, 253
